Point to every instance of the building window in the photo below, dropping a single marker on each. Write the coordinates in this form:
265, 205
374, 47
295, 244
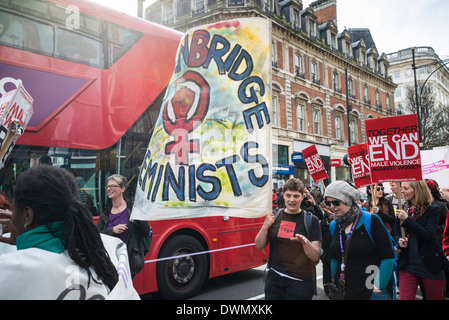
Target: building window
350, 85
275, 109
199, 6
338, 126
300, 116
274, 56
298, 66
314, 73
267, 5
312, 33
184, 8
169, 12
349, 49
377, 98
353, 130
316, 121
334, 43
335, 85
296, 23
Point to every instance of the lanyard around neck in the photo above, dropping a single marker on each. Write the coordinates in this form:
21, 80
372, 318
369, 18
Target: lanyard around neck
343, 246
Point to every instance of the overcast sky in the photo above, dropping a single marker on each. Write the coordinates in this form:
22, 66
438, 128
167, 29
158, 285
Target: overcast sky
394, 24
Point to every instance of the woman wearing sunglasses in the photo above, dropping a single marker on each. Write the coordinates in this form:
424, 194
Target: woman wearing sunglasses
383, 207
361, 266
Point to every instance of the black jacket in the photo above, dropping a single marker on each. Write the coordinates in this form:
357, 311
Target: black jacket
137, 231
430, 252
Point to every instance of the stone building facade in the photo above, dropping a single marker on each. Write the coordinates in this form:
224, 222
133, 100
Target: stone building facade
310, 60
429, 68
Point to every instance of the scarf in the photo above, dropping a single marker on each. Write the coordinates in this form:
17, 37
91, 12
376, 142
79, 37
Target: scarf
41, 237
349, 217
415, 212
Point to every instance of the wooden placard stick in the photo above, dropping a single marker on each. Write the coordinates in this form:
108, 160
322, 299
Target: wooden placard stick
373, 197
399, 196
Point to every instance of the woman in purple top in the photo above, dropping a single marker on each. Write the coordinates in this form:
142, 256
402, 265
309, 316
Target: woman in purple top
114, 221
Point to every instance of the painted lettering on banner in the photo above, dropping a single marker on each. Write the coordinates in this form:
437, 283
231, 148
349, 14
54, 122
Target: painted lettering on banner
211, 146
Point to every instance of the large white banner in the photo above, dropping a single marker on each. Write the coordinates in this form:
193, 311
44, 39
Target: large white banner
210, 153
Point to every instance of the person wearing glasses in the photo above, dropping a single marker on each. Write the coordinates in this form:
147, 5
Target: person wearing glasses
383, 207
361, 265
114, 221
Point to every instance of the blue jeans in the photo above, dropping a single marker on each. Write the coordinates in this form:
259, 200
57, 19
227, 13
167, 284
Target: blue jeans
384, 295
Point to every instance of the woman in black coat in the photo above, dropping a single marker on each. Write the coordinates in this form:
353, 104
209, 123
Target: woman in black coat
421, 257
114, 221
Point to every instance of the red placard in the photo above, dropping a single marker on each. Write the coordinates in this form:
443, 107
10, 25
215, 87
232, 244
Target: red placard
314, 163
358, 158
335, 162
393, 144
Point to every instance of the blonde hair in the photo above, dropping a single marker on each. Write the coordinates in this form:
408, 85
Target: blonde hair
423, 196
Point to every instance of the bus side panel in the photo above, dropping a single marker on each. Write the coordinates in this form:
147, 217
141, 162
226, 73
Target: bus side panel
239, 234
163, 230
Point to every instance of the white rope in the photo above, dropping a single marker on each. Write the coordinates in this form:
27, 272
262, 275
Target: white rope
198, 253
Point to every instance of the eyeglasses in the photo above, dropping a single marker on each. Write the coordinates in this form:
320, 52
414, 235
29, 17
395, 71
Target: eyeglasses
335, 203
112, 186
380, 189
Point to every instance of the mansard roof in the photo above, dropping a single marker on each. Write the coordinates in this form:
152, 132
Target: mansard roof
362, 33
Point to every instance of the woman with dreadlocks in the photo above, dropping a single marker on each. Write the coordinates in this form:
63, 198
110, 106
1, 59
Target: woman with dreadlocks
60, 253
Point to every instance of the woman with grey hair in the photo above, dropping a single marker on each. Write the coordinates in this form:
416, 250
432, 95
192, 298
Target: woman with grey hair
362, 257
114, 221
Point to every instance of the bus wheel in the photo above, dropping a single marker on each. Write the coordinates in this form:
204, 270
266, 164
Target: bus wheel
181, 278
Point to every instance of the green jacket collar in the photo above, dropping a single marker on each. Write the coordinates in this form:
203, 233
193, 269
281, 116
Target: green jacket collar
41, 237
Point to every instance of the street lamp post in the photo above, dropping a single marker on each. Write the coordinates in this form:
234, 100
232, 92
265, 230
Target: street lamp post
416, 96
348, 115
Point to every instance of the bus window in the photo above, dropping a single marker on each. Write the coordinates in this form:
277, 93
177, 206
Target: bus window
120, 40
24, 33
91, 168
78, 48
34, 25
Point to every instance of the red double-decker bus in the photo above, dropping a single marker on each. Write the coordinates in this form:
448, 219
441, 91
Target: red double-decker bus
97, 77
